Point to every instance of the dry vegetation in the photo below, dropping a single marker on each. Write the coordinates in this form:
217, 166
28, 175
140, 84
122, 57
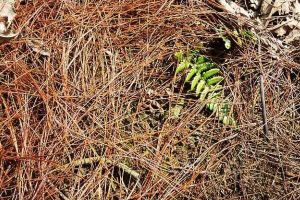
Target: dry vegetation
94, 119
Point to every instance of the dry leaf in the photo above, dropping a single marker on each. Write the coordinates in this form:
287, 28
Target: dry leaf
234, 8
297, 6
7, 15
293, 23
288, 9
280, 31
294, 35
38, 47
278, 6
266, 7
285, 8
7, 37
269, 7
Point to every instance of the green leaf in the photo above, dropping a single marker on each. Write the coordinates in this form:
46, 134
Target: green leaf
200, 87
201, 59
179, 55
190, 75
248, 34
204, 66
227, 42
204, 93
215, 80
195, 81
211, 73
182, 66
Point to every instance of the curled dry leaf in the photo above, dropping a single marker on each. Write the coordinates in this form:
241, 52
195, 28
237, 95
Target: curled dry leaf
7, 15
234, 8
38, 47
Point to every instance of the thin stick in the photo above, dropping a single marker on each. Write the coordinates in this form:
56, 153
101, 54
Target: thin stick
101, 160
263, 103
262, 95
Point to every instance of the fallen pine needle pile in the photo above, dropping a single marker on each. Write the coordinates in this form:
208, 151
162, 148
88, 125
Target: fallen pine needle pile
87, 98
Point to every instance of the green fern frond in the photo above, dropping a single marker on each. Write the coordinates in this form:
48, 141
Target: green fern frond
205, 80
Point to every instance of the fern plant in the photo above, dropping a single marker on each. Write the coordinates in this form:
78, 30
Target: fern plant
205, 81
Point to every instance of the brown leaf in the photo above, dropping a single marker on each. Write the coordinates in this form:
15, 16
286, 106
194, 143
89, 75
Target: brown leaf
7, 15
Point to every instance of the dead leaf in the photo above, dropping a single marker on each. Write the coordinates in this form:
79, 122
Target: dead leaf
7, 15
294, 35
296, 9
7, 37
38, 47
280, 31
282, 6
286, 7
234, 8
266, 7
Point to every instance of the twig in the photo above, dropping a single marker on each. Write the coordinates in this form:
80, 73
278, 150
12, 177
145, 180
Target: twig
281, 166
262, 95
102, 160
263, 103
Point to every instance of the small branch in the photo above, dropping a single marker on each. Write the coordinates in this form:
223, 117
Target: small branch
263, 103
262, 95
90, 160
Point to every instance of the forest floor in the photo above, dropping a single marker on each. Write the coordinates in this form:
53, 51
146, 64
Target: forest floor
87, 98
